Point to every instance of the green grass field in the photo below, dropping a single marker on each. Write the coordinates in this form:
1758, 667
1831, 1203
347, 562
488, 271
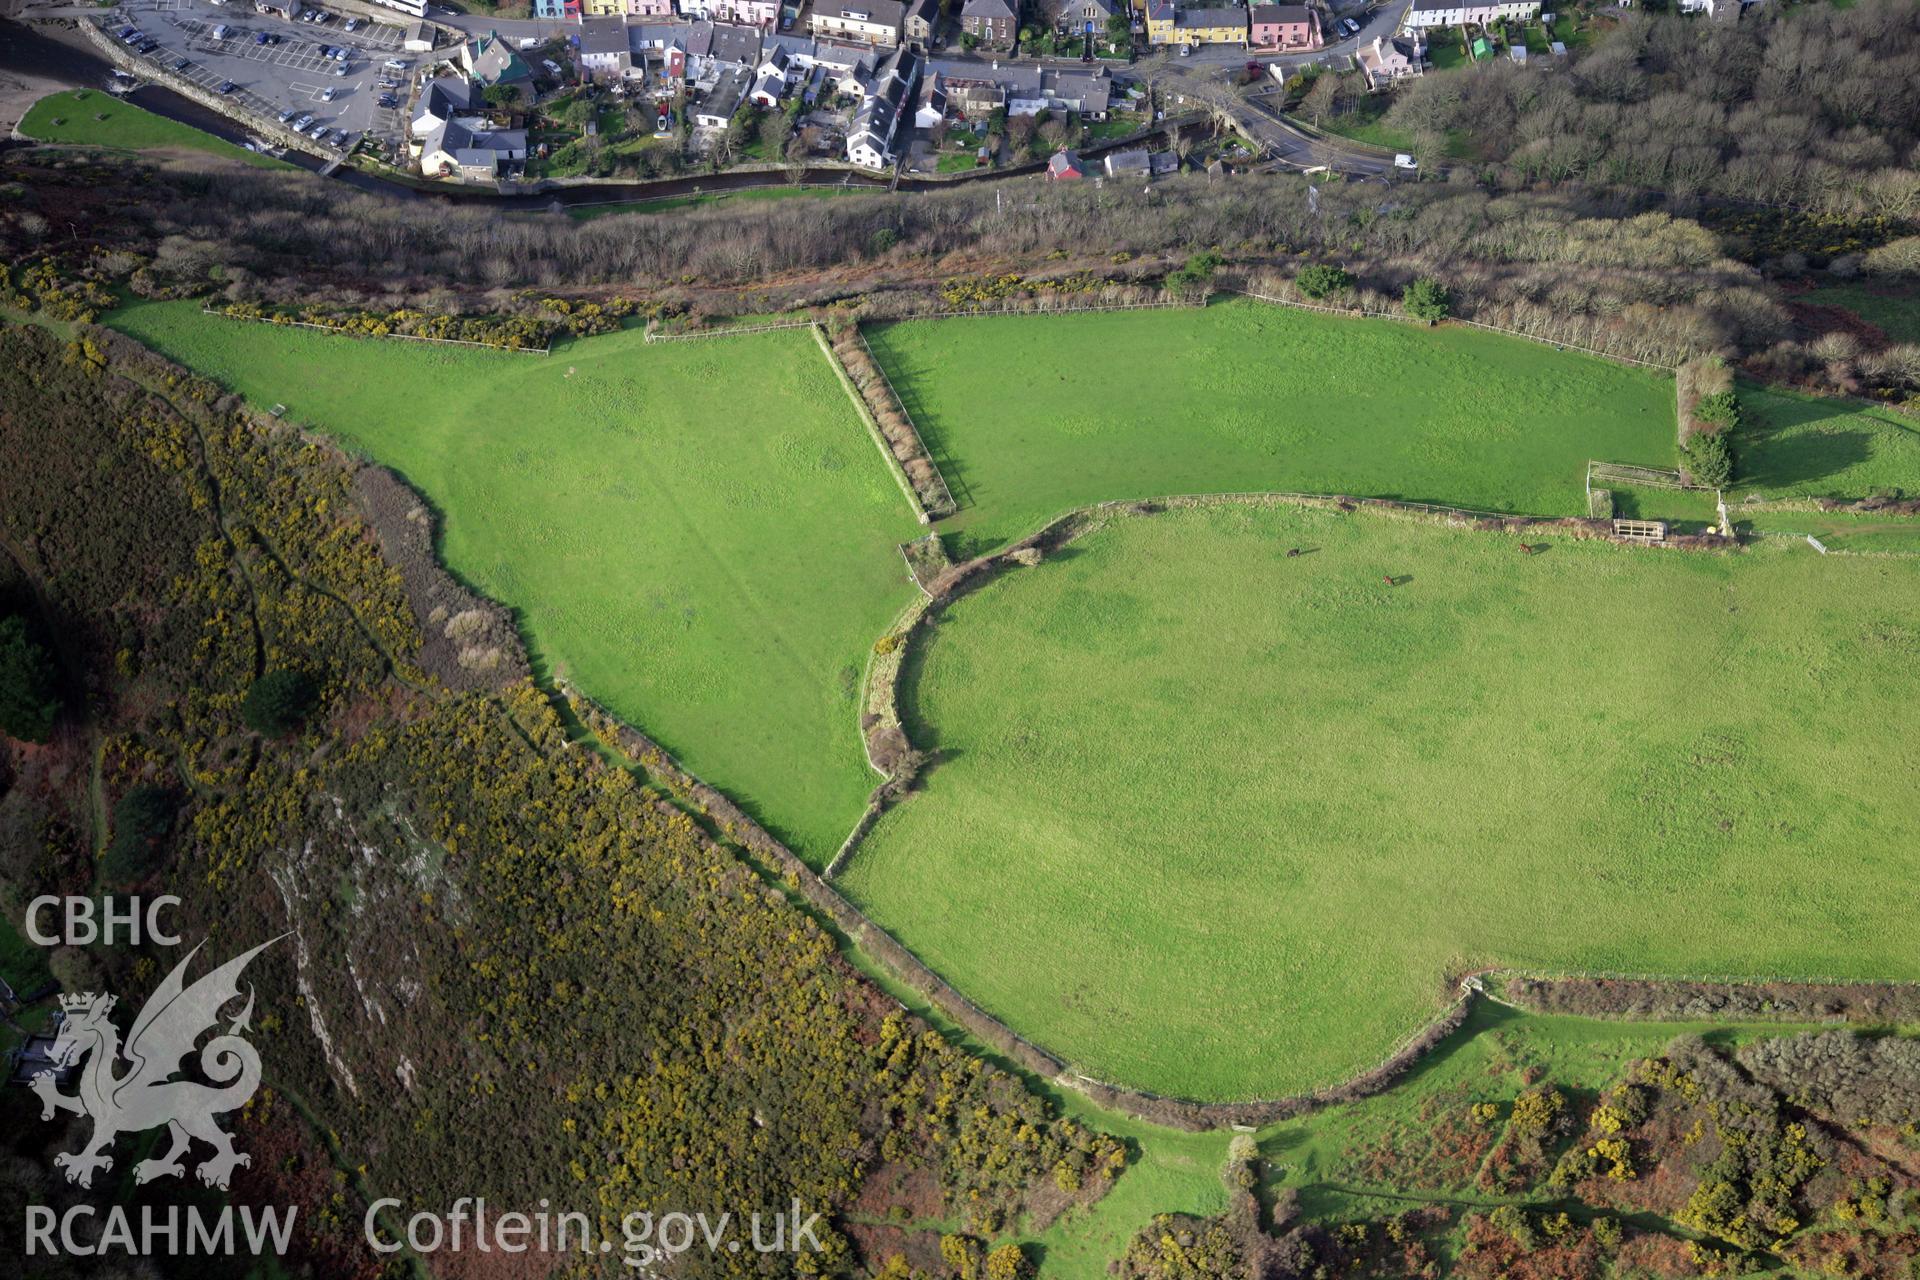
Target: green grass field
1793, 445
700, 534
125, 127
1246, 396
1216, 822
1894, 310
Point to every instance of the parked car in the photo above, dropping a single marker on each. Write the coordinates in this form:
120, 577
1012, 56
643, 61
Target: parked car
1349, 26
228, 86
340, 70
329, 93
397, 64
221, 31
300, 125
1406, 162
352, 25
181, 64
341, 54
387, 100
319, 131
148, 46
288, 114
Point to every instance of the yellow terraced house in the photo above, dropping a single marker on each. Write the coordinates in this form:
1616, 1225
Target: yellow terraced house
1167, 24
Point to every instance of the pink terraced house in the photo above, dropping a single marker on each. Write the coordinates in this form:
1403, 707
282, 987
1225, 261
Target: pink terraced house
1287, 27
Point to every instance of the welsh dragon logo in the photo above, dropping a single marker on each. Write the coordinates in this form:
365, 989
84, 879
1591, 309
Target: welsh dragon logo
144, 1094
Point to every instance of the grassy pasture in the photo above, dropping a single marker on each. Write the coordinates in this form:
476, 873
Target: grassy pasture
1889, 307
1793, 445
700, 534
126, 127
1215, 822
1246, 396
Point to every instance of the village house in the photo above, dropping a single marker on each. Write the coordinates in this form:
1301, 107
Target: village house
728, 92
1424, 14
716, 47
604, 51
490, 61
557, 10
1077, 17
1287, 28
975, 90
931, 106
1168, 24
660, 53
747, 13
922, 17
1388, 61
471, 150
991, 22
649, 8
871, 141
875, 22
286, 10
1065, 167
444, 98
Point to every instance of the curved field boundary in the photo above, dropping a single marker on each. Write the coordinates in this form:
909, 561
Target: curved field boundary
1863, 1002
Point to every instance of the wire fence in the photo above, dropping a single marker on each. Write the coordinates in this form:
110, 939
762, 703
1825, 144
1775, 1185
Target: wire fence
944, 504
1375, 314
726, 331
